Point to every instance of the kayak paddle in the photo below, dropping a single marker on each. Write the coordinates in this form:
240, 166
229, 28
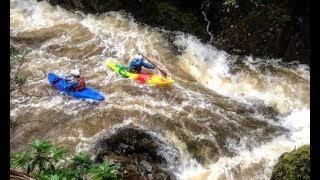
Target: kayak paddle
162, 71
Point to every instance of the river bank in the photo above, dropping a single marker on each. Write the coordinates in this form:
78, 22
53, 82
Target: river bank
273, 29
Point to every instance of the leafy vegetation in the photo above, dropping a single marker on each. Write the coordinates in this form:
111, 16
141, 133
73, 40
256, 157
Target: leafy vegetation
17, 80
106, 170
17, 59
233, 3
230, 3
279, 13
293, 165
44, 161
174, 16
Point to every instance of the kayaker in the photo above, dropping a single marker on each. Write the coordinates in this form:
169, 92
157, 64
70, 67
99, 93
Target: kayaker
137, 63
74, 81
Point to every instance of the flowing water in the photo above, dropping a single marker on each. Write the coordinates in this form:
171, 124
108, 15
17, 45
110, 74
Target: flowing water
225, 117
204, 10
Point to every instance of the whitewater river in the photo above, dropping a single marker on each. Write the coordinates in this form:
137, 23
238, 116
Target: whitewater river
225, 117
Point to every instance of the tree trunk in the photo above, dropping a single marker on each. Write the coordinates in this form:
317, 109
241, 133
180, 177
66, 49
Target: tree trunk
15, 175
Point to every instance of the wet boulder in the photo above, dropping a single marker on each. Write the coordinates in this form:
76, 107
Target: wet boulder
293, 165
141, 154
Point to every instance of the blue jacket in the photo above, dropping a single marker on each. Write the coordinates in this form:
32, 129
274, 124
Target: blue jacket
138, 63
71, 83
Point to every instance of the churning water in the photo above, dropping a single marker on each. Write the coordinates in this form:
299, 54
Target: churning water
225, 117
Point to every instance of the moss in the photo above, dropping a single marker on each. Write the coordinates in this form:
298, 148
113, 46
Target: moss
177, 19
277, 13
293, 165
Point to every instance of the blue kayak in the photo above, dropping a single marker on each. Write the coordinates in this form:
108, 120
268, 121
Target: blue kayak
88, 93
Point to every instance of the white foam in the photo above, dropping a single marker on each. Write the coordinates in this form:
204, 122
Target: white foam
29, 14
287, 95
257, 163
298, 122
212, 68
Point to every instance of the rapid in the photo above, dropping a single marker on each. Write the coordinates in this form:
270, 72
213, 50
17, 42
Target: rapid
225, 116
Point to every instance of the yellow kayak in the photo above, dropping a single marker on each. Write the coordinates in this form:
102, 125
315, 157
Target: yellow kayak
148, 78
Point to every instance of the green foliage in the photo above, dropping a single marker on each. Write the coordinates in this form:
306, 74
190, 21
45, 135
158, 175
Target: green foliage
44, 161
82, 160
106, 170
20, 55
17, 59
174, 16
230, 3
54, 177
294, 165
279, 13
233, 3
80, 165
17, 81
20, 160
20, 79
43, 156
57, 153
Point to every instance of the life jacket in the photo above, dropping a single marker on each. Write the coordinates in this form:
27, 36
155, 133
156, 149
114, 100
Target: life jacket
134, 63
81, 84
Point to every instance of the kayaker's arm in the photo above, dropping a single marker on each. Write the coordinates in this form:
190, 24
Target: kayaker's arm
71, 85
147, 65
140, 62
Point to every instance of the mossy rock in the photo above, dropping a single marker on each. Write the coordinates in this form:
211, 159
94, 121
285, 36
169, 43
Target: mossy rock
293, 165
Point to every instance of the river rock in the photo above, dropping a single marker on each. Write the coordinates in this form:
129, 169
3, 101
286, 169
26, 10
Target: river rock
293, 165
138, 152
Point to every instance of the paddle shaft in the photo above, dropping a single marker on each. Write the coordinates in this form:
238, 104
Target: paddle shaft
162, 71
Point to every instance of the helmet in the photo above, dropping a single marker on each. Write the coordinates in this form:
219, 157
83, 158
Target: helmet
75, 72
137, 56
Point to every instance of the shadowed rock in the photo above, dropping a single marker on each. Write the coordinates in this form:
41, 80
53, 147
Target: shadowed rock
141, 155
278, 29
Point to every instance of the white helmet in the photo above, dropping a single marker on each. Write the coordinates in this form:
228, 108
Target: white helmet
137, 56
75, 72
